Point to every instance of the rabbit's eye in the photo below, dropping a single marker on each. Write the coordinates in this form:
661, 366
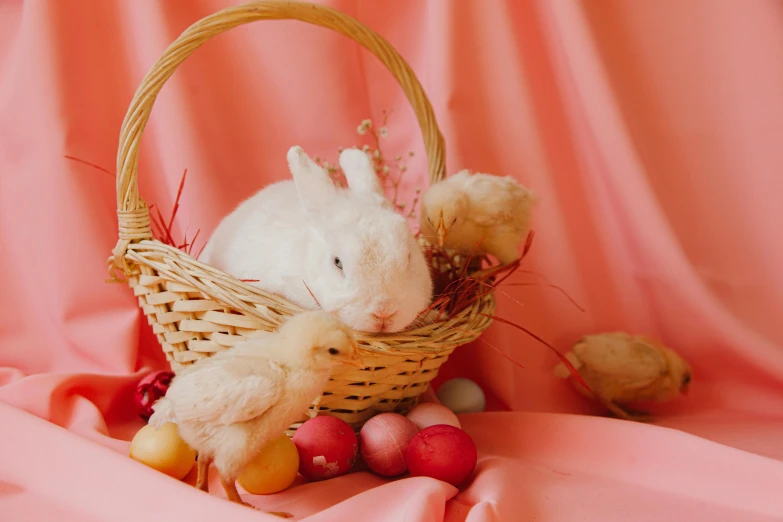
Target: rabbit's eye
333, 351
338, 263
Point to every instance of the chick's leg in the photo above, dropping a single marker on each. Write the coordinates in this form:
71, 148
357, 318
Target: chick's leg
229, 485
638, 415
627, 414
202, 482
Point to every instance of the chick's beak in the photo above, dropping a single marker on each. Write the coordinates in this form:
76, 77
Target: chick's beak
356, 360
357, 363
441, 229
685, 384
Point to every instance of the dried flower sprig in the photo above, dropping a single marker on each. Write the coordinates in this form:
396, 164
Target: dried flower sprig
389, 171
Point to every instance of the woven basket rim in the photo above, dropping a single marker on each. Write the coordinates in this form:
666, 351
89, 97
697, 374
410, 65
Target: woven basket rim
270, 309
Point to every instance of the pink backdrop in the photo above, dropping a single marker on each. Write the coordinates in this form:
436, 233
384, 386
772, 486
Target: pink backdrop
652, 131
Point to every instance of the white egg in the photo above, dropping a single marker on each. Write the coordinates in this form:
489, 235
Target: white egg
462, 396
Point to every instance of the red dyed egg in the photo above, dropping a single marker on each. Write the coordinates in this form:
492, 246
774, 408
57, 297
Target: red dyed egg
383, 442
442, 452
327, 447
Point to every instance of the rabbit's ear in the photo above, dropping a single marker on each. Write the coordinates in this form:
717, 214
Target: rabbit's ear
359, 173
313, 184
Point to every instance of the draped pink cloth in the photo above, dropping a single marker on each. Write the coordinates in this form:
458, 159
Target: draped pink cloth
651, 130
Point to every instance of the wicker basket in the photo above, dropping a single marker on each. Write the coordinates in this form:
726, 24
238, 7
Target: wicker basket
196, 310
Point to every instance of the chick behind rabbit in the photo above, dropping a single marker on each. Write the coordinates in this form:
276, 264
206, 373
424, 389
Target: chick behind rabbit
353, 251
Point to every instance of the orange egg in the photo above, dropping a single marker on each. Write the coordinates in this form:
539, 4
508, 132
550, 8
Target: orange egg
163, 450
273, 469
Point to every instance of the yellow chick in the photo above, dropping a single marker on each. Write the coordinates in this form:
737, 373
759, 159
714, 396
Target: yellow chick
229, 406
467, 209
622, 369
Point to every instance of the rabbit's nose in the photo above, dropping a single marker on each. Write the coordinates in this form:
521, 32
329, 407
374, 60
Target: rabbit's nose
383, 314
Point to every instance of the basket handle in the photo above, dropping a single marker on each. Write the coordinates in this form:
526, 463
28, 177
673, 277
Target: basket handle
132, 211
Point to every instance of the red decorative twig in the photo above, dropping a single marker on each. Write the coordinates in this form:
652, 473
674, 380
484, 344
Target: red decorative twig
93, 165
571, 369
161, 229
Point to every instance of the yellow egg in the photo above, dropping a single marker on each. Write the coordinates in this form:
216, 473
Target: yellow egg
273, 470
163, 450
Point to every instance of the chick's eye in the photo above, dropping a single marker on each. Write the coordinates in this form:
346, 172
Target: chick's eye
333, 351
455, 220
338, 263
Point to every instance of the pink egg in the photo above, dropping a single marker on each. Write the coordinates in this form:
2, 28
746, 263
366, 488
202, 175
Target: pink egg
383, 442
430, 413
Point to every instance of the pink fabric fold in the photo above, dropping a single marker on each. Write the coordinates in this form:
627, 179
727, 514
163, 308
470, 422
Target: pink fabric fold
651, 131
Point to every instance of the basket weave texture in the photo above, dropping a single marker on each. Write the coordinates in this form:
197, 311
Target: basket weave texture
196, 310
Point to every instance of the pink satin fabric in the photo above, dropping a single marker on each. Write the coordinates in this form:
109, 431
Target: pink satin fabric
651, 130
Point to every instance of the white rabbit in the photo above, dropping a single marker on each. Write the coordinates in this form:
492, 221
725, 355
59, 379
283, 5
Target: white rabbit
353, 251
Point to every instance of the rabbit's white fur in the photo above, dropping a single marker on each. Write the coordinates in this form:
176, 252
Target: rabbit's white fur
291, 232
